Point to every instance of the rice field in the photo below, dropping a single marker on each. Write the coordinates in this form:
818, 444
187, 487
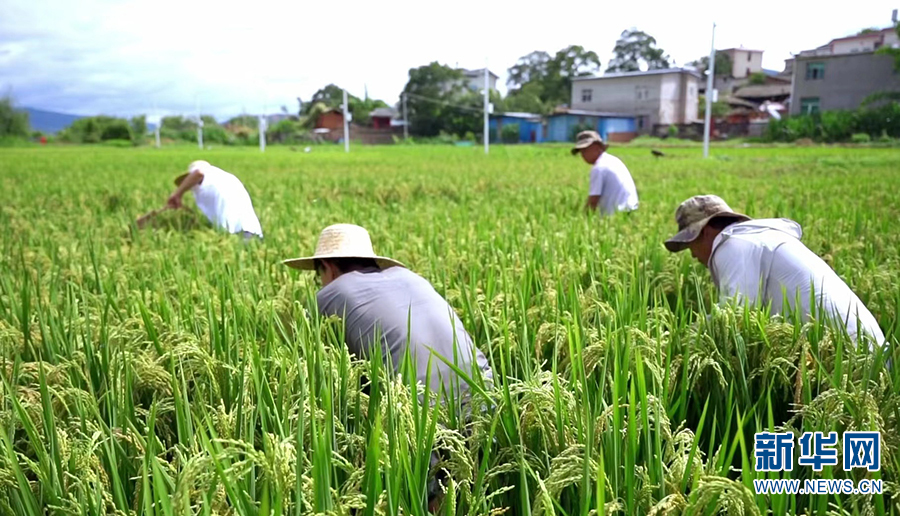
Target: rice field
175, 370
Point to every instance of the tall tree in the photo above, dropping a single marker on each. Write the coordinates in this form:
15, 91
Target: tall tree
12, 121
549, 79
723, 64
636, 49
437, 100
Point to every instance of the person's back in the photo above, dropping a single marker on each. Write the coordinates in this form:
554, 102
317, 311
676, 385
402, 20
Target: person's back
617, 190
225, 202
402, 307
766, 257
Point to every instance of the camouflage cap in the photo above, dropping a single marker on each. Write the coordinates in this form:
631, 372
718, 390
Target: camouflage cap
585, 139
693, 215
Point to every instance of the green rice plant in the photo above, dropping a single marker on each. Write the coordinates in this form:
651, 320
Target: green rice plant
175, 370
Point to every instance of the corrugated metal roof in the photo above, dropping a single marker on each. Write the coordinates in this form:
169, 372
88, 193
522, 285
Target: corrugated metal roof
518, 114
583, 112
383, 112
638, 74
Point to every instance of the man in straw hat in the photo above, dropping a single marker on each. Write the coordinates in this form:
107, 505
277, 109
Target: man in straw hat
379, 299
763, 261
611, 187
220, 196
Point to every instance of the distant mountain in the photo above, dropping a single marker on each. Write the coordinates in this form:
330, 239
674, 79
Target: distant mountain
48, 121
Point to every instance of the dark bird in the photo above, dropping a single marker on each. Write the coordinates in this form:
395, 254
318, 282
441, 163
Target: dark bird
657, 153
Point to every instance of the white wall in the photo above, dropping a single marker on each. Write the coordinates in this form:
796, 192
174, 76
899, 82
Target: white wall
740, 63
856, 45
670, 94
638, 95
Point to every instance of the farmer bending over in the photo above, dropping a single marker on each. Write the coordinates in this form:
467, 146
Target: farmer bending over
763, 261
611, 187
379, 298
220, 196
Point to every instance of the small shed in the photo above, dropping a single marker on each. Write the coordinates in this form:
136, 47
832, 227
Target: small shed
531, 126
382, 117
612, 127
331, 119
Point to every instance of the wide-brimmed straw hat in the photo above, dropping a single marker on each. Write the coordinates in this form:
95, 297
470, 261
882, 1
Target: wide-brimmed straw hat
195, 165
694, 214
585, 139
342, 241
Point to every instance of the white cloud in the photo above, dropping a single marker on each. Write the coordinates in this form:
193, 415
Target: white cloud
124, 57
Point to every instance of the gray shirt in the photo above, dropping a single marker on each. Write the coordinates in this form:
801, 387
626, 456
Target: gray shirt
402, 307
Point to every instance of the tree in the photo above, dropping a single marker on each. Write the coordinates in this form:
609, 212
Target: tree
542, 82
525, 99
758, 78
437, 101
636, 49
723, 64
13, 123
719, 109
331, 95
138, 128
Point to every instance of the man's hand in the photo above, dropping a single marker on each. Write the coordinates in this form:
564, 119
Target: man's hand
591, 204
174, 201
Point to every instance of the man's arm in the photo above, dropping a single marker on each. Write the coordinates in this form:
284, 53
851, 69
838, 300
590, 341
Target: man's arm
595, 189
193, 179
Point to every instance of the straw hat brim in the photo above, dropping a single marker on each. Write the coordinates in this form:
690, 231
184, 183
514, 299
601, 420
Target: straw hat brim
581, 146
307, 263
683, 238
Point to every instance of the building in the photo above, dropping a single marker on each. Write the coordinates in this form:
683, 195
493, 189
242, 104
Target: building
383, 118
842, 73
530, 125
332, 119
744, 62
474, 79
656, 97
867, 41
563, 124
840, 81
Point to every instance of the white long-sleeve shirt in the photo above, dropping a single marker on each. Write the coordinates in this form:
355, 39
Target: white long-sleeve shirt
225, 202
763, 261
611, 181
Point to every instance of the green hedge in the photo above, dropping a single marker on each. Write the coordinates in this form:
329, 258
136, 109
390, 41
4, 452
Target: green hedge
837, 126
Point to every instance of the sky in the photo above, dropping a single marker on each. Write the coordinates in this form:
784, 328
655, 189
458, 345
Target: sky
126, 57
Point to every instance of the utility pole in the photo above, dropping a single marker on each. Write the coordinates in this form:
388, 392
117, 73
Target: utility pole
710, 93
262, 133
346, 124
405, 119
711, 71
486, 101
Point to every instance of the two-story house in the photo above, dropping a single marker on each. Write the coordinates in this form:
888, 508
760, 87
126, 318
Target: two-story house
655, 97
841, 74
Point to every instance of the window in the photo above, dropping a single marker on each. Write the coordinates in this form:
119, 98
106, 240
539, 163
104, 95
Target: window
815, 71
749, 73
749, 56
809, 105
642, 92
586, 95
640, 121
